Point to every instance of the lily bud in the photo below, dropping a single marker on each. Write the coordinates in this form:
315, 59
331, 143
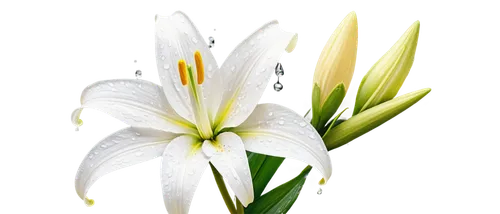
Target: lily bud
337, 60
386, 77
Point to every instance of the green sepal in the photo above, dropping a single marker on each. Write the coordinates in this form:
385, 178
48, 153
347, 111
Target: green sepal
370, 119
316, 108
280, 199
334, 121
332, 104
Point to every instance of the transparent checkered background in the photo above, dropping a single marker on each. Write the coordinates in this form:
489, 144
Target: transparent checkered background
206, 30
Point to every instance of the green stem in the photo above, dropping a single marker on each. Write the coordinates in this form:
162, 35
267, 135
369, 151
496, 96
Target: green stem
239, 207
223, 190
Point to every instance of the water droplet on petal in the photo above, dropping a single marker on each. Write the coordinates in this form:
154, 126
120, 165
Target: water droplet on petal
211, 42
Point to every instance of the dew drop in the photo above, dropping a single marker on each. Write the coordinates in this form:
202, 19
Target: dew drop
278, 86
138, 74
281, 122
270, 114
194, 40
166, 66
320, 191
77, 129
211, 42
278, 70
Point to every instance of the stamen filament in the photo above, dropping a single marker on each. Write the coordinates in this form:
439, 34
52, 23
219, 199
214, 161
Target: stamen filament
200, 111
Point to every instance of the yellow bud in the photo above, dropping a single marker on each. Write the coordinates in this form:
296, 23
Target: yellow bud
338, 58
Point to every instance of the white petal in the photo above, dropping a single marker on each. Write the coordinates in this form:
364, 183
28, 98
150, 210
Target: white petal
137, 103
124, 148
183, 165
247, 71
177, 38
232, 163
275, 130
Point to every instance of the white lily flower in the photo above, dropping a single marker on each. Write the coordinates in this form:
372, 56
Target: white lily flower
202, 114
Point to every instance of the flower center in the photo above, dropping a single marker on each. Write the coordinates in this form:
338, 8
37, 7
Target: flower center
193, 83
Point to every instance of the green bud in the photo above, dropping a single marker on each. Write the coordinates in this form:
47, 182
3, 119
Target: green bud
370, 119
385, 78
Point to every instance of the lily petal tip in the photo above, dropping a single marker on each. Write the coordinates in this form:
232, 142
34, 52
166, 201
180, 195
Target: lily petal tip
292, 44
89, 202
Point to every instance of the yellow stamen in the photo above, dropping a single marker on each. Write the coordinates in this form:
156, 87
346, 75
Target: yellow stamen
200, 70
183, 72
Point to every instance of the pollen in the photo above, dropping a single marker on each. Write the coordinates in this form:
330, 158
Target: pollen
183, 72
200, 69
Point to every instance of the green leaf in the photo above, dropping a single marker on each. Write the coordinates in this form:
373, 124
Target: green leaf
331, 104
334, 121
370, 119
316, 109
280, 199
262, 168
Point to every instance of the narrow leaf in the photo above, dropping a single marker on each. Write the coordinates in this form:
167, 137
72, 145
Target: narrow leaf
280, 199
265, 173
341, 116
